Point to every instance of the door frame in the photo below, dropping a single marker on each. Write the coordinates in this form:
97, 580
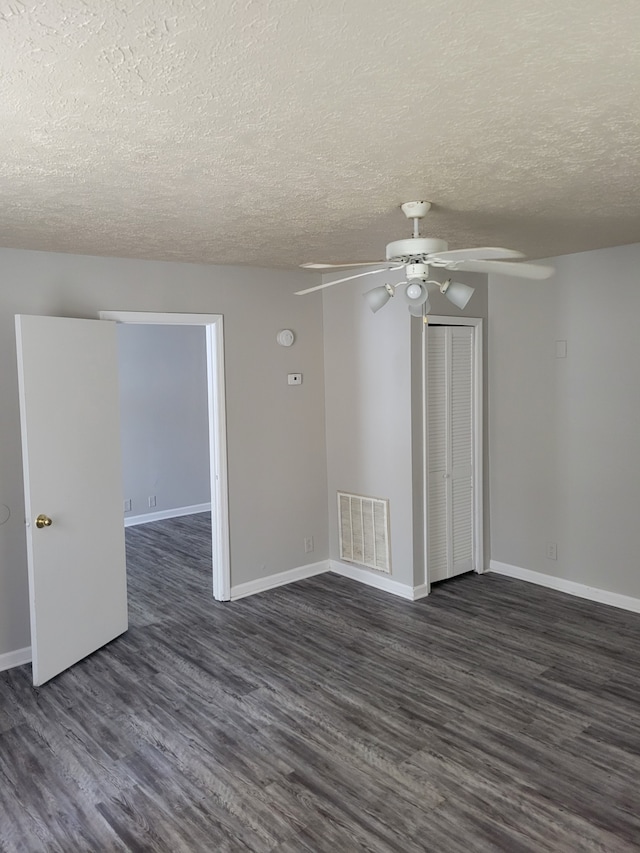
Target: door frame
478, 484
213, 323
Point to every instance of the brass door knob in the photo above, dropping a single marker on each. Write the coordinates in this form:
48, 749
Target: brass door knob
43, 521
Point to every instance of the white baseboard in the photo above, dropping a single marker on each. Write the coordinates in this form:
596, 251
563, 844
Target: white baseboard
160, 515
580, 590
421, 591
15, 658
378, 581
280, 579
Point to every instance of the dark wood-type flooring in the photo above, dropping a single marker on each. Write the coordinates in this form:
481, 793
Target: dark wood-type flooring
327, 716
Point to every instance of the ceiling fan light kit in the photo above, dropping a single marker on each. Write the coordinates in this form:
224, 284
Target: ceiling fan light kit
420, 310
416, 293
379, 296
457, 293
417, 272
417, 254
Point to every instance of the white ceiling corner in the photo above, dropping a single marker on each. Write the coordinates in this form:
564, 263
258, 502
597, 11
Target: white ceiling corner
272, 132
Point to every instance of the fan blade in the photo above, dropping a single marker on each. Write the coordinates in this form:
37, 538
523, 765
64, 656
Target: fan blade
340, 266
484, 253
348, 278
503, 268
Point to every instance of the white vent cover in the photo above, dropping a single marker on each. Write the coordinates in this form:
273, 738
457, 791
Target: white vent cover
364, 531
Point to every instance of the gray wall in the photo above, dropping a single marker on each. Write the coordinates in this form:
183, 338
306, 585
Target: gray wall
564, 447
164, 416
368, 411
373, 409
277, 460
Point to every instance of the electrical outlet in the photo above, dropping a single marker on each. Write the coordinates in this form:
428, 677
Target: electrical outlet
308, 544
152, 500
552, 551
127, 505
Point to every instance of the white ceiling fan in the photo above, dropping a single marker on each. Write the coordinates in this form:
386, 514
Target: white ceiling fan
417, 254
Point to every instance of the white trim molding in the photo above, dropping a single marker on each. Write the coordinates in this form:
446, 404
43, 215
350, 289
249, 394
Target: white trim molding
160, 515
378, 581
580, 590
346, 570
420, 591
160, 318
16, 658
280, 579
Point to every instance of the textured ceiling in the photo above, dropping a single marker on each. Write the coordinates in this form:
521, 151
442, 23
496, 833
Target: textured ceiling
272, 132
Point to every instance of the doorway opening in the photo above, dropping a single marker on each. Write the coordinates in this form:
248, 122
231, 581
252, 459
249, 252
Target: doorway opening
213, 325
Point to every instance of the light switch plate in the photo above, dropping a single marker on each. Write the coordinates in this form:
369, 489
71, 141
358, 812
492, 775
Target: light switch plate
294, 379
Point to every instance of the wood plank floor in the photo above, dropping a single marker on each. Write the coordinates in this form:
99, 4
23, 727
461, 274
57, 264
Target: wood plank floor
326, 716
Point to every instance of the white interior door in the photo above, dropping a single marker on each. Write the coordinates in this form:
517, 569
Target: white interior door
450, 444
67, 372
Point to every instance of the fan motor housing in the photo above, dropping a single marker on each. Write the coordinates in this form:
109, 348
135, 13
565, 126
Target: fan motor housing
415, 249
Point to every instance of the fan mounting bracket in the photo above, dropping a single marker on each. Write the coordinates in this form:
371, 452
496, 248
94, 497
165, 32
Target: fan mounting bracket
415, 209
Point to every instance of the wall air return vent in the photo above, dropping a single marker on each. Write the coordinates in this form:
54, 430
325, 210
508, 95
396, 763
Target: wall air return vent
363, 525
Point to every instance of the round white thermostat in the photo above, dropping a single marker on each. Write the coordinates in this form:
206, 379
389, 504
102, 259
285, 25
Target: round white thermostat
285, 338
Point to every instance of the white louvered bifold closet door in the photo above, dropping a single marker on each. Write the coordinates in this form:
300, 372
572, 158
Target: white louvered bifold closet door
450, 450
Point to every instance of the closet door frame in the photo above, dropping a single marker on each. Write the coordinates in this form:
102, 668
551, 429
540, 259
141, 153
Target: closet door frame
478, 482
